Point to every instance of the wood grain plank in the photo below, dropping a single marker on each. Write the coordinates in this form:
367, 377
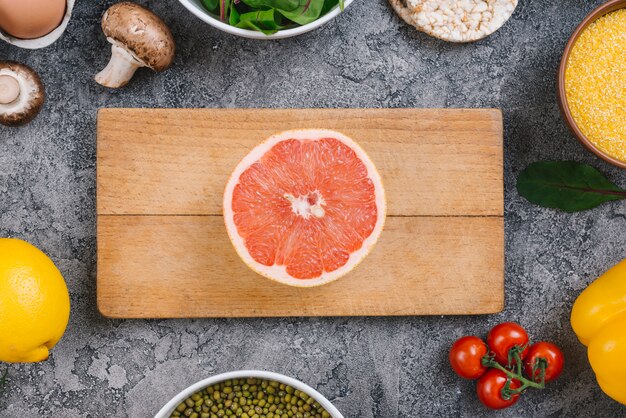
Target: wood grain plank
185, 266
433, 162
442, 250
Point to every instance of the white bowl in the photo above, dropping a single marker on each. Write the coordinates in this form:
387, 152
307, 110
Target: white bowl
167, 410
196, 7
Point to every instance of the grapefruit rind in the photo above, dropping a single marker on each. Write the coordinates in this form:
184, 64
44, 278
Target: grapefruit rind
279, 273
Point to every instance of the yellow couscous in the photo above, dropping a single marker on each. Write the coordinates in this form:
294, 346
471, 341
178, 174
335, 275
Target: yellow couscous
595, 83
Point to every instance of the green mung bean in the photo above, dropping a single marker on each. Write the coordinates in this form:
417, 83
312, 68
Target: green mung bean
250, 398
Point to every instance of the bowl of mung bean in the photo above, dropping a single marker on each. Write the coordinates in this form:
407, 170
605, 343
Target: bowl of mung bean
249, 394
591, 82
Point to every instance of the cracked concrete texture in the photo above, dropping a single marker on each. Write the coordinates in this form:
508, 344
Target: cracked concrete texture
369, 367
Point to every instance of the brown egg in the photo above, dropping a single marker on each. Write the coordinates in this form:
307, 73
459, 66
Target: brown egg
30, 19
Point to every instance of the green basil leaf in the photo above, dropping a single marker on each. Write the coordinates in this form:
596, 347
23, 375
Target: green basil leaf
211, 5
307, 12
273, 4
266, 21
566, 185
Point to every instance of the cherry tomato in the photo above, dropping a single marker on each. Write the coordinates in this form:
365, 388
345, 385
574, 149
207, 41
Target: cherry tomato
548, 354
466, 355
502, 338
489, 390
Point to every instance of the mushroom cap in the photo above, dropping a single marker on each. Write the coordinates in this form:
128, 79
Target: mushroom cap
31, 94
141, 32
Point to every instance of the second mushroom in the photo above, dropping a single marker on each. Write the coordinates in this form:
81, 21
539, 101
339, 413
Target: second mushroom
21, 93
139, 38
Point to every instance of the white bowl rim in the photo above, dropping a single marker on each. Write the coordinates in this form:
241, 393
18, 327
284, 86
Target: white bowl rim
169, 407
246, 33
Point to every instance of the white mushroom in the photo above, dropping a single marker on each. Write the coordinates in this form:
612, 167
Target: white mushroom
21, 93
139, 38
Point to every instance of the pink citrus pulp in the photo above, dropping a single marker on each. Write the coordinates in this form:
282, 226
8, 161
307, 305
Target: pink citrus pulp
304, 207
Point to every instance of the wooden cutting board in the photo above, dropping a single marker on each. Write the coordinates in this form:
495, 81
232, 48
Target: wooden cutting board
163, 250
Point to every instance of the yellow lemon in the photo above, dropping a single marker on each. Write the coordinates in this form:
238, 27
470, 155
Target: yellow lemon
34, 303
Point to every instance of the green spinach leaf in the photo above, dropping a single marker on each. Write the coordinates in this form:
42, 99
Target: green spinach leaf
266, 21
566, 185
307, 12
225, 6
272, 4
267, 15
234, 17
328, 6
211, 5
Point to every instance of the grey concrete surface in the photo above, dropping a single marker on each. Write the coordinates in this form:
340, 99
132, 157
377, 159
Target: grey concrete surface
369, 367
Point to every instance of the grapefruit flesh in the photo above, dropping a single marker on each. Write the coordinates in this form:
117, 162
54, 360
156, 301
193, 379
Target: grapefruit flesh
304, 207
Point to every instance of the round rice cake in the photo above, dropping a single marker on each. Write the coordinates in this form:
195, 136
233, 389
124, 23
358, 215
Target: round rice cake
456, 20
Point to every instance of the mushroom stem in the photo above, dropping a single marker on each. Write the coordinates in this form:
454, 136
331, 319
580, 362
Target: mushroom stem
120, 68
9, 89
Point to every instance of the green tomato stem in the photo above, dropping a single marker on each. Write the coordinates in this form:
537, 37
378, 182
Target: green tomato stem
487, 361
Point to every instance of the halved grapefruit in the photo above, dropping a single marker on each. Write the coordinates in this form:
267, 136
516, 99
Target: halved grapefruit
304, 207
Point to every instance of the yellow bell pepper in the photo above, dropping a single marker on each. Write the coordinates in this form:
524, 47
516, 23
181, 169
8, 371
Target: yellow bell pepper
599, 321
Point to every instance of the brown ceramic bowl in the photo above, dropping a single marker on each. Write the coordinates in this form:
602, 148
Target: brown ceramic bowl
608, 7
